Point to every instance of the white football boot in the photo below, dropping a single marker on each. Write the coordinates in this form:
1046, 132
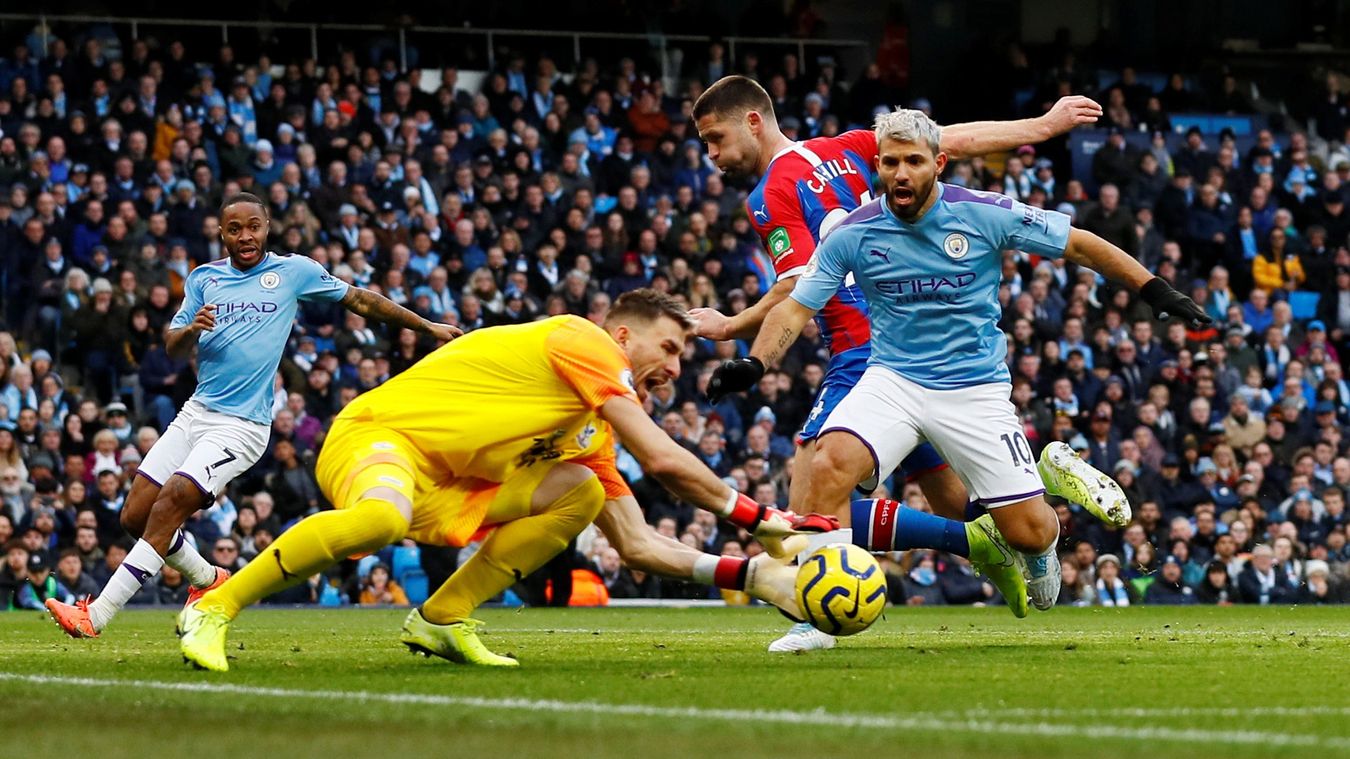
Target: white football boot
1044, 576
802, 637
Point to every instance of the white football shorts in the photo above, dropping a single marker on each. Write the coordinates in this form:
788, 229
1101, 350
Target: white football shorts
207, 447
976, 429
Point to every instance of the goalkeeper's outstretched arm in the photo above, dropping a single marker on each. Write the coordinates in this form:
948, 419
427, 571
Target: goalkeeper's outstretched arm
764, 577
684, 475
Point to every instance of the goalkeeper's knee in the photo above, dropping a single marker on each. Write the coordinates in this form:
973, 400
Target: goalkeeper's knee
580, 505
370, 525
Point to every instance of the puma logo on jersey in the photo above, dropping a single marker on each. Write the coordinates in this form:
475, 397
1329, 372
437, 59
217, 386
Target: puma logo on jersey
884, 256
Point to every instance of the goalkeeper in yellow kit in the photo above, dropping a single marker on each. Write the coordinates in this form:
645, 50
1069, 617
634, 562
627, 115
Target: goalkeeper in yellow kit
503, 434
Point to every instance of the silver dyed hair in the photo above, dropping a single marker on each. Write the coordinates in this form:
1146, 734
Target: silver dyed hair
906, 125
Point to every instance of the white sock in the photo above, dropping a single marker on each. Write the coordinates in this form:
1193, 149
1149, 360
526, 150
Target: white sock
140, 565
817, 541
183, 557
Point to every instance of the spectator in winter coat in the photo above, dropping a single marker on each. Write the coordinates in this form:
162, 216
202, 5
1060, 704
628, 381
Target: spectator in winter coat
1168, 589
1263, 582
1217, 587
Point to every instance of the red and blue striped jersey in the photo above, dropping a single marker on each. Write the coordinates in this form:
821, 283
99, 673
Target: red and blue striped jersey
808, 189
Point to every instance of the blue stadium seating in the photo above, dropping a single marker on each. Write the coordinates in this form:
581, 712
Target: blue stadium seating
406, 559
363, 566
330, 596
414, 583
1304, 304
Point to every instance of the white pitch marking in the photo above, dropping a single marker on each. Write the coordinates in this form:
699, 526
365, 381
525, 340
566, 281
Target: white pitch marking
913, 721
1133, 711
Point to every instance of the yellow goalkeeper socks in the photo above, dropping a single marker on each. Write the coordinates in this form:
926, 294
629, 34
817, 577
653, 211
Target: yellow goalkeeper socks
515, 550
316, 543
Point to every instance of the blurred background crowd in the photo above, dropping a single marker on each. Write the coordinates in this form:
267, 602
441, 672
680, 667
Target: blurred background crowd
532, 192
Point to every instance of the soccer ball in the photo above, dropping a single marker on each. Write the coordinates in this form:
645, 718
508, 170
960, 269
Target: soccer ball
841, 589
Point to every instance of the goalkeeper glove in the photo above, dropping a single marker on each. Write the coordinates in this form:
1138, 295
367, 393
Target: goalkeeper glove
770, 525
1167, 302
733, 377
773, 579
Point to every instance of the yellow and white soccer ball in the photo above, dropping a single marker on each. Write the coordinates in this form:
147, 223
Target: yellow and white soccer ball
841, 589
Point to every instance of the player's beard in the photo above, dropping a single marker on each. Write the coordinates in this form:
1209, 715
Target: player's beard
908, 205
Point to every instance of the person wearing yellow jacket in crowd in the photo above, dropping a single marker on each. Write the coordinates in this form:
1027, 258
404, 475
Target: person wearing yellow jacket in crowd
1277, 267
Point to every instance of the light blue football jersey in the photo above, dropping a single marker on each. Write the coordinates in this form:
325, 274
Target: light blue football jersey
932, 286
237, 361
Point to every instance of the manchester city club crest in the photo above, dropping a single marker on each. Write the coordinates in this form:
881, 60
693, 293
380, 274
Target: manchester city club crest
956, 245
270, 280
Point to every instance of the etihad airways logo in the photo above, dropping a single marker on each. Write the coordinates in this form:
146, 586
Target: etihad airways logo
940, 289
246, 307
245, 311
924, 284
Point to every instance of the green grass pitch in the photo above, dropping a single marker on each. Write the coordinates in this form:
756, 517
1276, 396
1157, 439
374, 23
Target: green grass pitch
657, 683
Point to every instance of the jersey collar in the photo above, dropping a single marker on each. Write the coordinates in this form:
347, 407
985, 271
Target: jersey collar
790, 148
801, 150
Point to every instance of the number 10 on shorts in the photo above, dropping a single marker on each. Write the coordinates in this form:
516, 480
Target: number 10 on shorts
1018, 448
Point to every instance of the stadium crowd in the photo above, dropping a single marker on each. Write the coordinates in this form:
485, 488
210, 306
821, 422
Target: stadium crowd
544, 195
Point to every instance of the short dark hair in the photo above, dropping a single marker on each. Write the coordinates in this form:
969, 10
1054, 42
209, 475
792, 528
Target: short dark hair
646, 304
732, 96
243, 197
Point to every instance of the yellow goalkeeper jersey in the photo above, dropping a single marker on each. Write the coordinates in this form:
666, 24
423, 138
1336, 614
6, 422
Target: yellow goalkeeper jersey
499, 399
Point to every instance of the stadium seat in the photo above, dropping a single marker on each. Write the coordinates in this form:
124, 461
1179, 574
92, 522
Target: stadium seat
364, 565
406, 559
330, 596
415, 586
1304, 304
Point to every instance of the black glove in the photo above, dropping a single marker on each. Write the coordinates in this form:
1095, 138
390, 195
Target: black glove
733, 377
1167, 302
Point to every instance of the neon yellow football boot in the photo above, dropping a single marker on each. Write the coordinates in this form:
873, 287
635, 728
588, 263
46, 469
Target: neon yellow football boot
992, 557
1068, 476
457, 642
201, 638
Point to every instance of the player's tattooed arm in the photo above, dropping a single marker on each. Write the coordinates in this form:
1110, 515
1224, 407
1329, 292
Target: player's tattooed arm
781, 328
372, 305
786, 337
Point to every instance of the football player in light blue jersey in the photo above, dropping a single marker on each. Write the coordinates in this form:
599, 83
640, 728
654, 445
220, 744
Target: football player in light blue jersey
928, 257
238, 313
